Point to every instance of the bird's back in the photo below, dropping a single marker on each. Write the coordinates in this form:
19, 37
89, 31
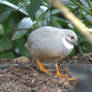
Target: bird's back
46, 43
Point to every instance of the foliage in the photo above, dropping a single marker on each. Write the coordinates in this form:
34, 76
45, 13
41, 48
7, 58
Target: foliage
19, 17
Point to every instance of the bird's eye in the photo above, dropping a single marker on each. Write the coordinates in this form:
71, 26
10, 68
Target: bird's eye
72, 37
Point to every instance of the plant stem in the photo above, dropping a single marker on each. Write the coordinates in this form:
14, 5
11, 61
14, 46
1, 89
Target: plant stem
85, 9
88, 1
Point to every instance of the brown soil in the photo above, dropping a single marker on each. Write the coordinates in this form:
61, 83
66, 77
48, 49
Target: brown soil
26, 77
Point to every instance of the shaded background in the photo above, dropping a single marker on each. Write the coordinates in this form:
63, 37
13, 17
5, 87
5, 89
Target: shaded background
20, 17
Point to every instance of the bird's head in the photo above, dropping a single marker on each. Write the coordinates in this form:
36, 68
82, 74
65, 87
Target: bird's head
70, 39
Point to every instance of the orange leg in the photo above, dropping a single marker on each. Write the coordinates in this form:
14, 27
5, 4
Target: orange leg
58, 74
41, 67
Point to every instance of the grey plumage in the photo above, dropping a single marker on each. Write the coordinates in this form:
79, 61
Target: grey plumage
50, 43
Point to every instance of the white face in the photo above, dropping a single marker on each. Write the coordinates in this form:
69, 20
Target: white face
67, 44
70, 40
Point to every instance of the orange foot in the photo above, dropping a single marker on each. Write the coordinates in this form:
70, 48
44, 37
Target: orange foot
41, 67
58, 74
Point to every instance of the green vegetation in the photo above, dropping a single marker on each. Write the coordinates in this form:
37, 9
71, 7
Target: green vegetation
20, 17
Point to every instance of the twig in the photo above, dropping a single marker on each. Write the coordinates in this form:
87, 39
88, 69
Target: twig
12, 30
20, 29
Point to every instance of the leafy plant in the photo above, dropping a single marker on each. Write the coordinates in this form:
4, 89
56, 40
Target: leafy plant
20, 17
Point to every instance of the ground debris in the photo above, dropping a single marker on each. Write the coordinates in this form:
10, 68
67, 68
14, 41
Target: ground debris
26, 77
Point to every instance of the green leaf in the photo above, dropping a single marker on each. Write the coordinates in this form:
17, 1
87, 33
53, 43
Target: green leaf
5, 44
33, 7
4, 15
19, 46
66, 2
13, 6
25, 23
18, 34
40, 12
55, 22
7, 55
1, 30
84, 2
23, 51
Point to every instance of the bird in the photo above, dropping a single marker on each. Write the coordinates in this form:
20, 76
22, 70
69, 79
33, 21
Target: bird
50, 43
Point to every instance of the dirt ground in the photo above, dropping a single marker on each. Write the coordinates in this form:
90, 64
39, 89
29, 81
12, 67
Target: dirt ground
25, 76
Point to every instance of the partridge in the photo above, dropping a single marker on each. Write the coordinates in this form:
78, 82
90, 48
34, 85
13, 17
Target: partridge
51, 43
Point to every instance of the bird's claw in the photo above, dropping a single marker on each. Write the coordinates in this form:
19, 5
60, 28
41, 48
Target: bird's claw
41, 67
